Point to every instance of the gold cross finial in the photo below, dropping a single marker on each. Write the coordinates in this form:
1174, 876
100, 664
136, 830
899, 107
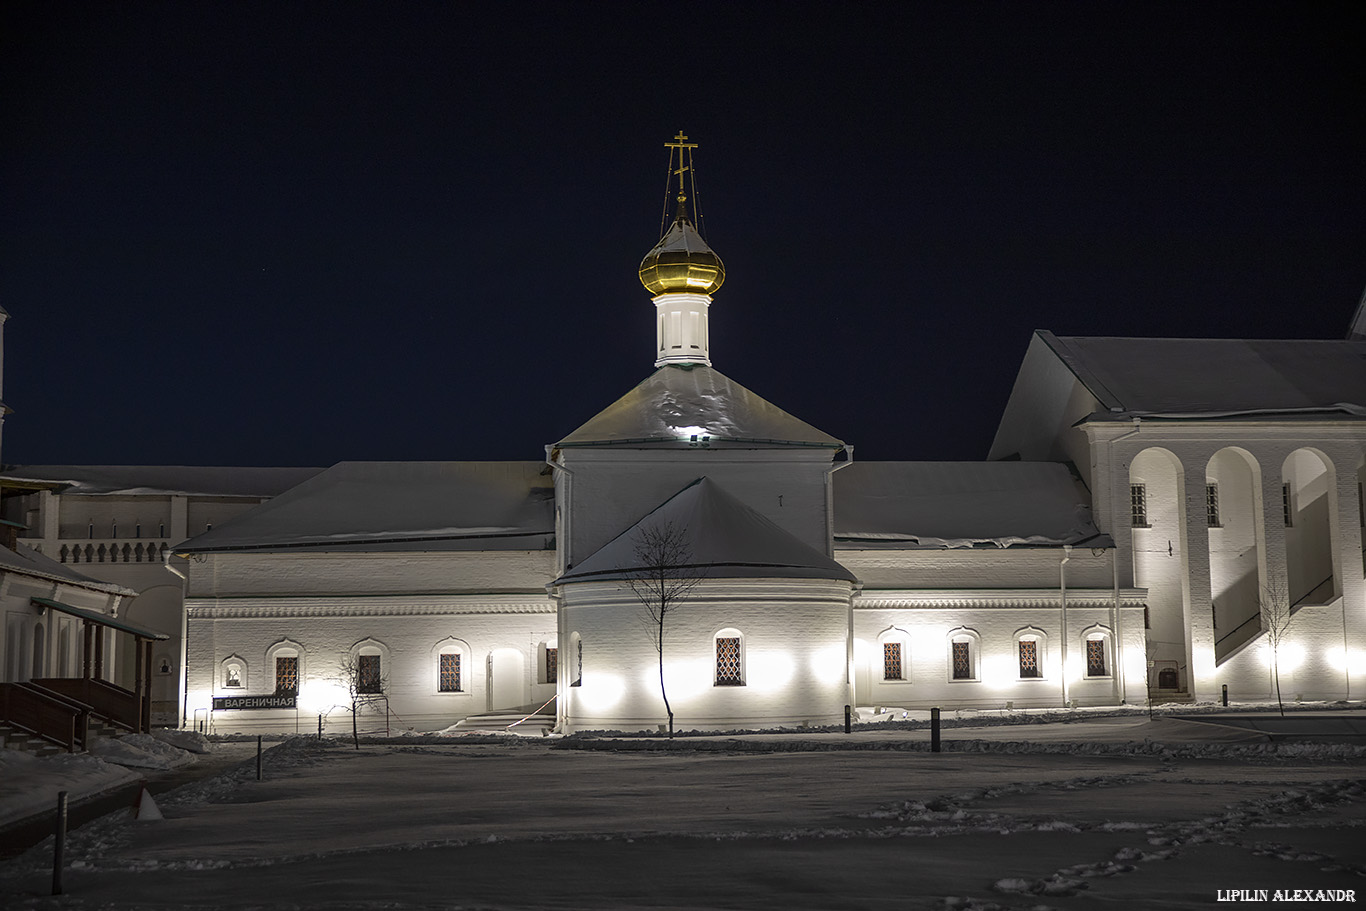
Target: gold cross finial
680, 143
684, 160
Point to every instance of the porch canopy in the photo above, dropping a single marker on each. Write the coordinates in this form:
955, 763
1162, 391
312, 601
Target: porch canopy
132, 709
122, 626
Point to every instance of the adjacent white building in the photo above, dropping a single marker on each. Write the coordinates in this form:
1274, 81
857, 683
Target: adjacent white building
116, 524
1229, 474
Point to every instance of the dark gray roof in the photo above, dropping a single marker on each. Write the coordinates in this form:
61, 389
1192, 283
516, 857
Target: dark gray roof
501, 504
959, 504
680, 405
1218, 377
24, 559
188, 480
722, 538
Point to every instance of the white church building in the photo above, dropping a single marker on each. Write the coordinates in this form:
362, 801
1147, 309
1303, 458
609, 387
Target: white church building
1150, 511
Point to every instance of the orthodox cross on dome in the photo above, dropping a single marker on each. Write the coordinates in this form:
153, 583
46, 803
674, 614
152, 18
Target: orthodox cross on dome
686, 174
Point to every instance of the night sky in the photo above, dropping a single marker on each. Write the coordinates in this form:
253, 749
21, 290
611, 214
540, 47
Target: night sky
297, 233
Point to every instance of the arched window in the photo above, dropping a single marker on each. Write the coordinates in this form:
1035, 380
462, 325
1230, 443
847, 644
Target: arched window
576, 656
1310, 510
451, 663
1031, 646
234, 673
730, 658
964, 646
369, 670
1095, 644
547, 661
896, 654
286, 657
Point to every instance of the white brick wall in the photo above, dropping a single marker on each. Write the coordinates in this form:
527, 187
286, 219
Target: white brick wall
796, 665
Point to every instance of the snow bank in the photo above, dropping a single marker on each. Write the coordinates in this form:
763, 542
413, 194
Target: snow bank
30, 784
193, 741
140, 751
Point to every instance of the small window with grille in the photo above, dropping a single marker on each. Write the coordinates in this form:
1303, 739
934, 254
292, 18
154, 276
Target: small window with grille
1029, 658
891, 661
962, 661
450, 673
1138, 505
1287, 506
552, 663
286, 674
368, 678
728, 668
1095, 658
1212, 506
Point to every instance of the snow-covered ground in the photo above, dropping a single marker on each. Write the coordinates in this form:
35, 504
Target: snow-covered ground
1117, 812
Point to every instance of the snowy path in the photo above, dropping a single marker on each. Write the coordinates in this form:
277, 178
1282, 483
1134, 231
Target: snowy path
519, 825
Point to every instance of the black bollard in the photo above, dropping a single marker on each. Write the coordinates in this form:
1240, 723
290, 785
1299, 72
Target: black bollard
1225, 695
320, 727
934, 730
258, 757
59, 844
848, 722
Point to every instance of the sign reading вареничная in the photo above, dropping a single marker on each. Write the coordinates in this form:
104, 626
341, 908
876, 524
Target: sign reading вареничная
223, 703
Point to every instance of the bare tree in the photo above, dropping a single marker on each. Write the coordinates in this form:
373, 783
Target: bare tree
663, 580
1275, 608
363, 678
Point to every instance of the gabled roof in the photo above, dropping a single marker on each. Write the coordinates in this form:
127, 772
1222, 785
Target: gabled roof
183, 480
723, 538
680, 405
499, 504
26, 560
960, 504
1181, 377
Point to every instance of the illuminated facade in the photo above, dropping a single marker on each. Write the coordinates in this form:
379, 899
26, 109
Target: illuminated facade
1141, 500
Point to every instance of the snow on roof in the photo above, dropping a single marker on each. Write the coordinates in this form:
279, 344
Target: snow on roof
679, 405
357, 502
723, 538
960, 504
1218, 377
182, 480
26, 560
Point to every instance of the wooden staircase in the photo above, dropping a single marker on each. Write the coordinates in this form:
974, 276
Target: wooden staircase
44, 719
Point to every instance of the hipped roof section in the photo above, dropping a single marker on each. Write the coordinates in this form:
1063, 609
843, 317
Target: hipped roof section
498, 505
1214, 378
164, 480
722, 538
679, 406
962, 504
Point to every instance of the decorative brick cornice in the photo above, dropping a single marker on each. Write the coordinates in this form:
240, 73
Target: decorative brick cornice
996, 599
251, 608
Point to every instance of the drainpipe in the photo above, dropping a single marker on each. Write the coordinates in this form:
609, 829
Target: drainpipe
184, 639
1062, 596
564, 532
562, 538
830, 536
1121, 693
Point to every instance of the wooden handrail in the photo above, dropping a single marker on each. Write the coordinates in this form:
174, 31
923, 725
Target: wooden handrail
51, 719
107, 700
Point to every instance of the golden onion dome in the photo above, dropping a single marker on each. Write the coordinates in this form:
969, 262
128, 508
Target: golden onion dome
682, 261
